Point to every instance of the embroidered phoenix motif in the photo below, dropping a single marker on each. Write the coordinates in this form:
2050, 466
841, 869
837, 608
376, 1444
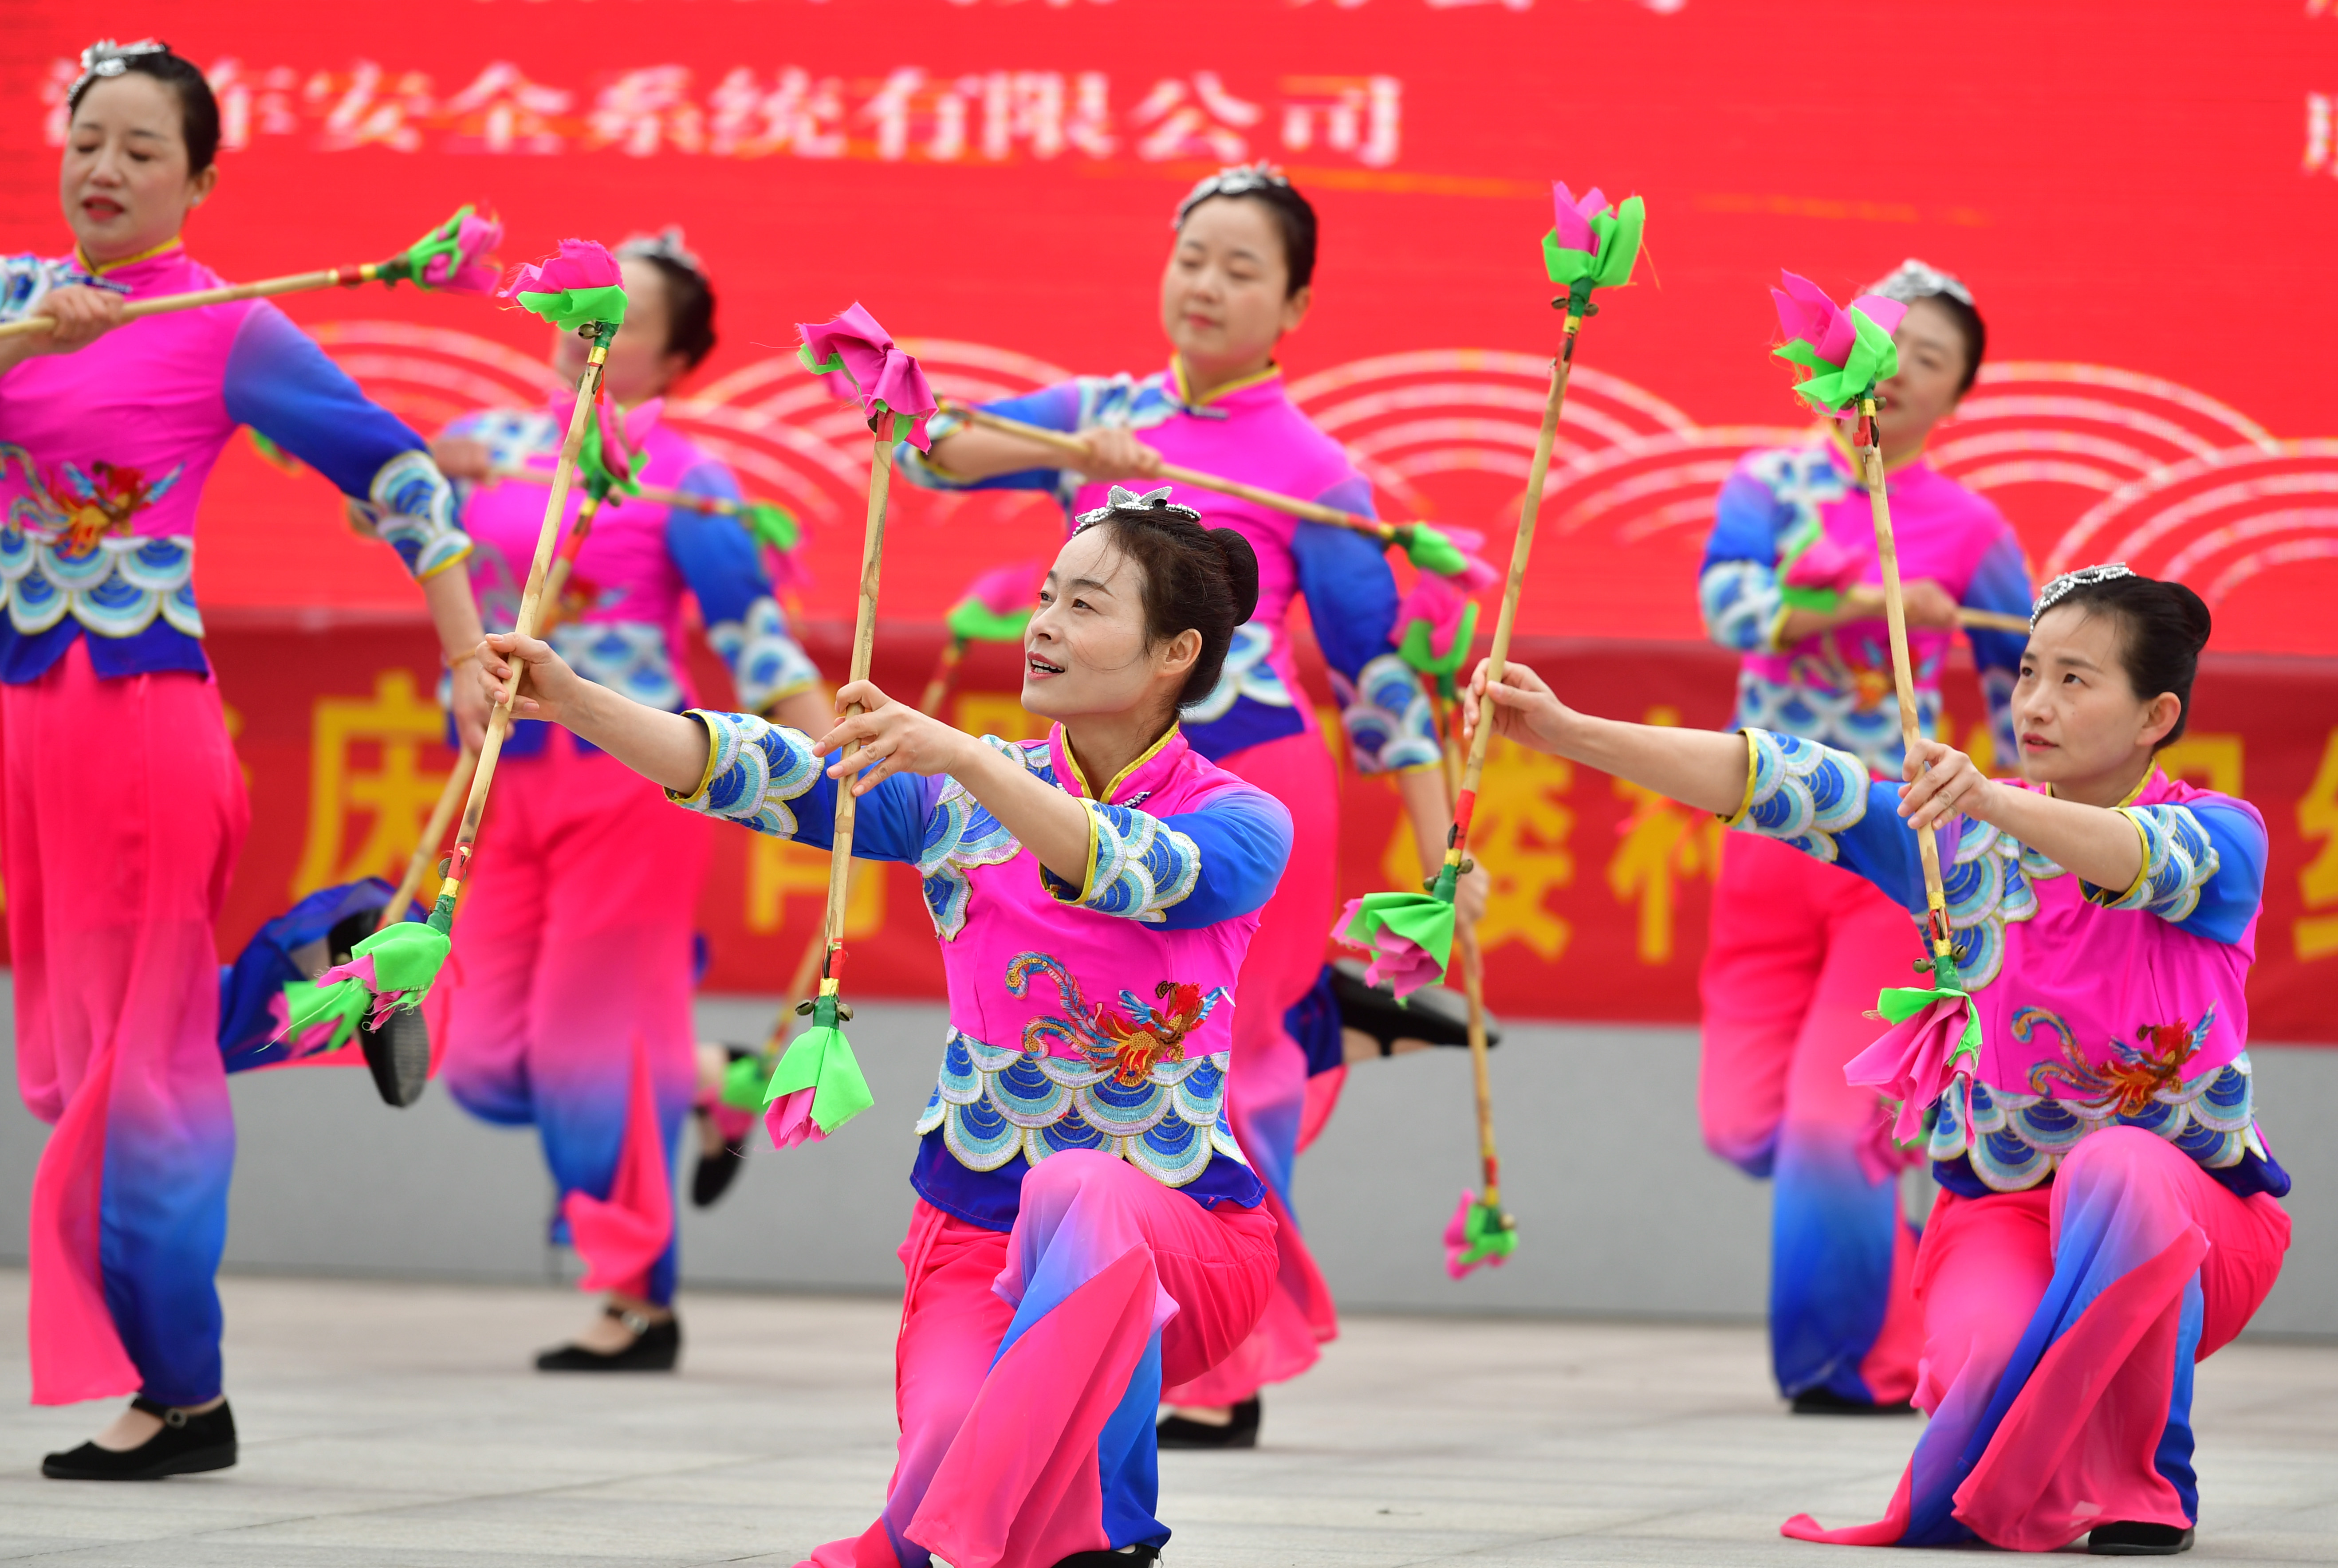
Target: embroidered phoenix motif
1128, 1044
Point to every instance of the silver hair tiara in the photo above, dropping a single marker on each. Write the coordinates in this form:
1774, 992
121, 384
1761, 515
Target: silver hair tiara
1239, 180
2070, 582
107, 58
1155, 502
1920, 280
665, 245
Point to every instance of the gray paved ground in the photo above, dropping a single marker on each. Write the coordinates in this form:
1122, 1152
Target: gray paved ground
395, 1425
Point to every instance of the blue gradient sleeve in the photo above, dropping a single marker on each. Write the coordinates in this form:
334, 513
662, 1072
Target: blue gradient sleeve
1056, 407
1737, 585
1820, 801
1349, 590
2203, 867
1241, 836
278, 382
764, 777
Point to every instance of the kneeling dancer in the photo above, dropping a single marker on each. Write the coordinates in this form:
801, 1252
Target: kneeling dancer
1087, 1228
2107, 1213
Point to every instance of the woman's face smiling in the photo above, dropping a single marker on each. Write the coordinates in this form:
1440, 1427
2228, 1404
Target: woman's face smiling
1085, 653
123, 180
2074, 715
1225, 294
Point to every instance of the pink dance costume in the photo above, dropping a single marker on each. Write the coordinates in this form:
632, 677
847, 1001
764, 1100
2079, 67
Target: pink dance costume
575, 988
1087, 1228
1258, 724
116, 869
2109, 1213
1797, 951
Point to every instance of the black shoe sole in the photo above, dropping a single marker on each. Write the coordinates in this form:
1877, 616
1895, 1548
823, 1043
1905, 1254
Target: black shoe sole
1241, 1432
193, 1463
399, 1056
2139, 1549
657, 1350
1825, 1402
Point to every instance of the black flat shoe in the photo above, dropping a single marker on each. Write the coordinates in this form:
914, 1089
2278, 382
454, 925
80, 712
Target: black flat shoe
1241, 1432
186, 1444
398, 1055
714, 1173
657, 1347
2131, 1538
1827, 1402
1127, 1557
1433, 1015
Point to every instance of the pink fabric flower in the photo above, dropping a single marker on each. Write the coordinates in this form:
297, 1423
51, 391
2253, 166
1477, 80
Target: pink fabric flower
466, 271
789, 1120
1007, 590
863, 354
1911, 1063
1805, 312
1436, 600
1573, 217
1825, 564
577, 264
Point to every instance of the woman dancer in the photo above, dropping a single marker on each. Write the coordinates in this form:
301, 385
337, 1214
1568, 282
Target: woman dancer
1797, 950
1239, 277
1086, 1227
2108, 1215
116, 870
581, 956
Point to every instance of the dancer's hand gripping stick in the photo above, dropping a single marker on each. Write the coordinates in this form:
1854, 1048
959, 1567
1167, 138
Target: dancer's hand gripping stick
817, 1086
1934, 1047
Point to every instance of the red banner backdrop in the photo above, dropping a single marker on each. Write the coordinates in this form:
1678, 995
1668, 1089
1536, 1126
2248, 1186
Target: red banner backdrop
2140, 194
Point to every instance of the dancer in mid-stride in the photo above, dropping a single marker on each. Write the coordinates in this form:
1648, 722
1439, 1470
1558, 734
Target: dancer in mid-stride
580, 955
1239, 277
2107, 1214
1086, 1228
125, 803
1798, 949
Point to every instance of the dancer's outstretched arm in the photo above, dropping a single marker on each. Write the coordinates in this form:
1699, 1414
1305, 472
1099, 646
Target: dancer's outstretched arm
1709, 769
671, 749
1701, 767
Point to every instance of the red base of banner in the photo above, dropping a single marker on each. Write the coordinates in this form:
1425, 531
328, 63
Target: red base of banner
1601, 889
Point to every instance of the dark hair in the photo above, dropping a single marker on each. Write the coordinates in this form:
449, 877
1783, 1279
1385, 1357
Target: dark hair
1969, 326
2162, 627
1196, 579
689, 309
199, 115
1293, 217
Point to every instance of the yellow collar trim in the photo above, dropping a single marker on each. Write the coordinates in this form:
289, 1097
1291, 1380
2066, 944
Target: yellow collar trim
99, 270
1177, 368
2133, 794
1850, 454
1149, 753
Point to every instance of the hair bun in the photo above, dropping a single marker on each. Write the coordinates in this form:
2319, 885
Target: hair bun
1242, 570
2195, 611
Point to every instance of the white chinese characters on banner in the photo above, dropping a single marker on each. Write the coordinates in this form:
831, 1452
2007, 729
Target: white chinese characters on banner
911, 113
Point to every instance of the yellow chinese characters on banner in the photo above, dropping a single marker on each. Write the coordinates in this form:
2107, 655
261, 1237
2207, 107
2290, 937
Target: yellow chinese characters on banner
1660, 843
1520, 834
2317, 818
366, 782
778, 870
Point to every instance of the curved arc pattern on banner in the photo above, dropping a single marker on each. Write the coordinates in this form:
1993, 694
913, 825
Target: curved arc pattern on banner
2147, 470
